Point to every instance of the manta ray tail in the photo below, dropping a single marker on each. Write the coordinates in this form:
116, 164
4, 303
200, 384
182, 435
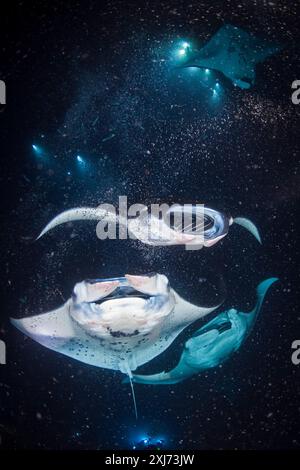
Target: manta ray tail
78, 213
248, 225
132, 390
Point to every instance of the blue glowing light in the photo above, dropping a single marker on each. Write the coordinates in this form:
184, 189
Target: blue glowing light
37, 149
79, 159
207, 70
184, 48
217, 84
68, 173
181, 52
142, 440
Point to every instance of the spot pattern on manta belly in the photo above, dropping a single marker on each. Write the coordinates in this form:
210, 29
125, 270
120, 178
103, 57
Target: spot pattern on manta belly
121, 334
141, 341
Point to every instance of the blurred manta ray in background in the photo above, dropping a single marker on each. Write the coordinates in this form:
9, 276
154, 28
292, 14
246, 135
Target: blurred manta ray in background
118, 323
235, 53
151, 230
212, 344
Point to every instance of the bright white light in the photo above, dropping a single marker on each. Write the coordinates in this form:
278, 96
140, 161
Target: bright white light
185, 45
181, 52
79, 159
217, 84
206, 70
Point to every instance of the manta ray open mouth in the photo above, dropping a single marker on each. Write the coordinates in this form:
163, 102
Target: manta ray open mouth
121, 307
221, 327
123, 292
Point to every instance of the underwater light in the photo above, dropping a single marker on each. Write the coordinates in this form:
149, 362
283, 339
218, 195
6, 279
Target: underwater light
147, 443
79, 159
36, 149
206, 70
181, 52
184, 49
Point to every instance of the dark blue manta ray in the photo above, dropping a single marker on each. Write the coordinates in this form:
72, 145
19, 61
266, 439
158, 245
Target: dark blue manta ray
235, 53
212, 344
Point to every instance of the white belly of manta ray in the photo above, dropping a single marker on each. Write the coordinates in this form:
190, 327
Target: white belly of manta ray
116, 324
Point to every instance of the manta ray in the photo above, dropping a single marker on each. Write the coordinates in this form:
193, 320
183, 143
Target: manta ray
213, 343
235, 53
119, 323
151, 230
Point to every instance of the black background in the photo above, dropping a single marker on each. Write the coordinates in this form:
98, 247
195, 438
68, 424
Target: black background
77, 72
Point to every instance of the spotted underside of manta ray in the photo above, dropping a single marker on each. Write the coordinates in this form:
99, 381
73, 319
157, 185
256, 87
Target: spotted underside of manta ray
212, 344
235, 53
117, 324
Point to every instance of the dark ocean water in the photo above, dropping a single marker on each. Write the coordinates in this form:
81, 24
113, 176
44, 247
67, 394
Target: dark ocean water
96, 81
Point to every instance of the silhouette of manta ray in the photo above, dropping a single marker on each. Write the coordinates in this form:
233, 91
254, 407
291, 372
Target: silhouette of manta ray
235, 53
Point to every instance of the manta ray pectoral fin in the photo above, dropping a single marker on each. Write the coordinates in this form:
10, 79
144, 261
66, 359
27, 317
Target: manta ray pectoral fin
53, 330
261, 291
78, 213
191, 312
248, 225
186, 365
